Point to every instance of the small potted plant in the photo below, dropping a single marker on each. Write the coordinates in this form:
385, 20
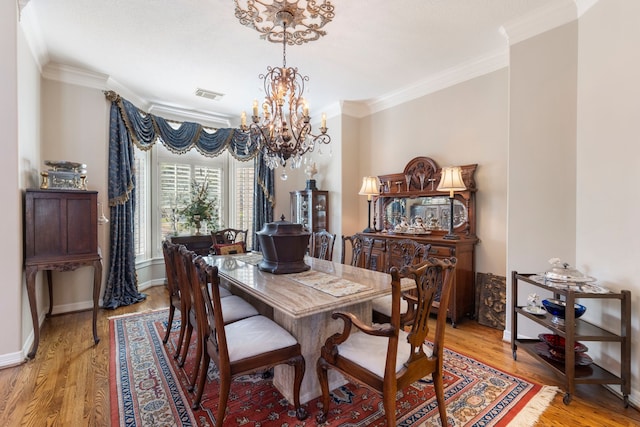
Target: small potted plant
202, 208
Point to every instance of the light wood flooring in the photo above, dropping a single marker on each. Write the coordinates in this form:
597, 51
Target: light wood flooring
67, 384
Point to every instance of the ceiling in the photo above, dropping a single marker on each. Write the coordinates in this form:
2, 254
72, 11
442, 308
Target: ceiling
374, 50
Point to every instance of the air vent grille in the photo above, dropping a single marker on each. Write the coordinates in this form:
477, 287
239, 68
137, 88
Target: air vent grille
209, 94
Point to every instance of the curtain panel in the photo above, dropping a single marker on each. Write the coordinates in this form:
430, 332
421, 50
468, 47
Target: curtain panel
128, 126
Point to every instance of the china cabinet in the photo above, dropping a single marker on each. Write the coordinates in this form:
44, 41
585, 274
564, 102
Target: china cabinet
409, 206
60, 234
310, 208
570, 364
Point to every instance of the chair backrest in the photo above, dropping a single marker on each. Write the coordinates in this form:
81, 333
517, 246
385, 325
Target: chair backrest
229, 235
170, 253
360, 251
184, 261
405, 252
433, 276
224, 239
322, 245
211, 308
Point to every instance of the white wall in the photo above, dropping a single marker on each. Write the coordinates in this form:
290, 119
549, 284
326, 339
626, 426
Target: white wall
463, 124
11, 305
29, 113
542, 149
608, 206
75, 122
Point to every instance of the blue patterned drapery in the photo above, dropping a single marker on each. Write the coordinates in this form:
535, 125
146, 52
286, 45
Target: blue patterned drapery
263, 199
128, 126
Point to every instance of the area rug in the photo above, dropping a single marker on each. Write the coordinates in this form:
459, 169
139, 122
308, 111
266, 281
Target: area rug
148, 389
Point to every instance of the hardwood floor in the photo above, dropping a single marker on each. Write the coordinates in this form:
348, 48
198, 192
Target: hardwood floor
67, 384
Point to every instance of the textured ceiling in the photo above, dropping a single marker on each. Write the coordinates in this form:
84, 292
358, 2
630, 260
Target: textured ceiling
163, 50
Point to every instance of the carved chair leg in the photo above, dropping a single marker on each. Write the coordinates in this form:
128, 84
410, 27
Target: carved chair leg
172, 311
183, 328
202, 375
439, 389
389, 403
323, 378
225, 386
198, 362
299, 366
185, 344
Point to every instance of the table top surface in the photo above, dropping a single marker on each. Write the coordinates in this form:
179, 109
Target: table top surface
283, 292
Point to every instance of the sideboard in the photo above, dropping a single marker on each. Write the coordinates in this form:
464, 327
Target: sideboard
412, 196
60, 234
200, 244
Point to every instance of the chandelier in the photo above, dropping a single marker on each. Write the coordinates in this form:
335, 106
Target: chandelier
284, 131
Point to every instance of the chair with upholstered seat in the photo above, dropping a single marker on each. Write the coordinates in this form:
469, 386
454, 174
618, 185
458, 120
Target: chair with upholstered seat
170, 252
244, 346
322, 245
360, 251
233, 308
229, 240
386, 358
399, 253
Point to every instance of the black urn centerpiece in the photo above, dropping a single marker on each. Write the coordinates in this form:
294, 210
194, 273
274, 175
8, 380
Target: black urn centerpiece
283, 245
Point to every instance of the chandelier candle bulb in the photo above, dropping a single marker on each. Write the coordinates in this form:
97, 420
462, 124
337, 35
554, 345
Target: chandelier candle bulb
243, 119
255, 107
324, 121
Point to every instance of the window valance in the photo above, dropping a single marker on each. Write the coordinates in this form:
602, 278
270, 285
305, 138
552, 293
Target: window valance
179, 137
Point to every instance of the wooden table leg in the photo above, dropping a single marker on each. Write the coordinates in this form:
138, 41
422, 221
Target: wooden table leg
50, 284
97, 279
31, 273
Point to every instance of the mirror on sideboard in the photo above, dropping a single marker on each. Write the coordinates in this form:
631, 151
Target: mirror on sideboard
431, 211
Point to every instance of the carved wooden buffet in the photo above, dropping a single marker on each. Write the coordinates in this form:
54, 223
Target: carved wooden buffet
61, 234
413, 194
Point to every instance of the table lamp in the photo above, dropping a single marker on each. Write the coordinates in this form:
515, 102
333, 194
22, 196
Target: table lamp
451, 180
370, 186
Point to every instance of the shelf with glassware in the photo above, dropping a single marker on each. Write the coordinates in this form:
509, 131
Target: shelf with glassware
310, 208
568, 358
410, 206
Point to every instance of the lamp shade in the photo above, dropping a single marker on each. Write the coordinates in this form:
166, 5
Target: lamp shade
370, 185
451, 179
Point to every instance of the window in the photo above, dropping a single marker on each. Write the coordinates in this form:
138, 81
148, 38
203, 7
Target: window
140, 237
164, 182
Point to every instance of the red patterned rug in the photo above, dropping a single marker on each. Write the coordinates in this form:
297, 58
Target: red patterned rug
149, 389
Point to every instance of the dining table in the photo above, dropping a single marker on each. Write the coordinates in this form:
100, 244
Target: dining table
302, 303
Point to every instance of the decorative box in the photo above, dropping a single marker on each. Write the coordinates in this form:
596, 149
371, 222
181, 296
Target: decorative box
283, 245
64, 175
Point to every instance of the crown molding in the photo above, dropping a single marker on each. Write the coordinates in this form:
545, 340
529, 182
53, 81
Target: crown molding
540, 20
584, 5
33, 35
80, 77
76, 76
473, 68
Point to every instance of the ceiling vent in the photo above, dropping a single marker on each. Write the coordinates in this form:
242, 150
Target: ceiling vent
209, 94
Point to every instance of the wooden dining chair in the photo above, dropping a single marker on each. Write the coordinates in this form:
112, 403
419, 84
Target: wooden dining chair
233, 308
225, 241
322, 245
360, 251
399, 253
386, 358
170, 252
240, 347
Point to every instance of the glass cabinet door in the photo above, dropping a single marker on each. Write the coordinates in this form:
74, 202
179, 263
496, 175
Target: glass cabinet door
309, 208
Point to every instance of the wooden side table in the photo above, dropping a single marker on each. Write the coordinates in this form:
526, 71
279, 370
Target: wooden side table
60, 234
31, 270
